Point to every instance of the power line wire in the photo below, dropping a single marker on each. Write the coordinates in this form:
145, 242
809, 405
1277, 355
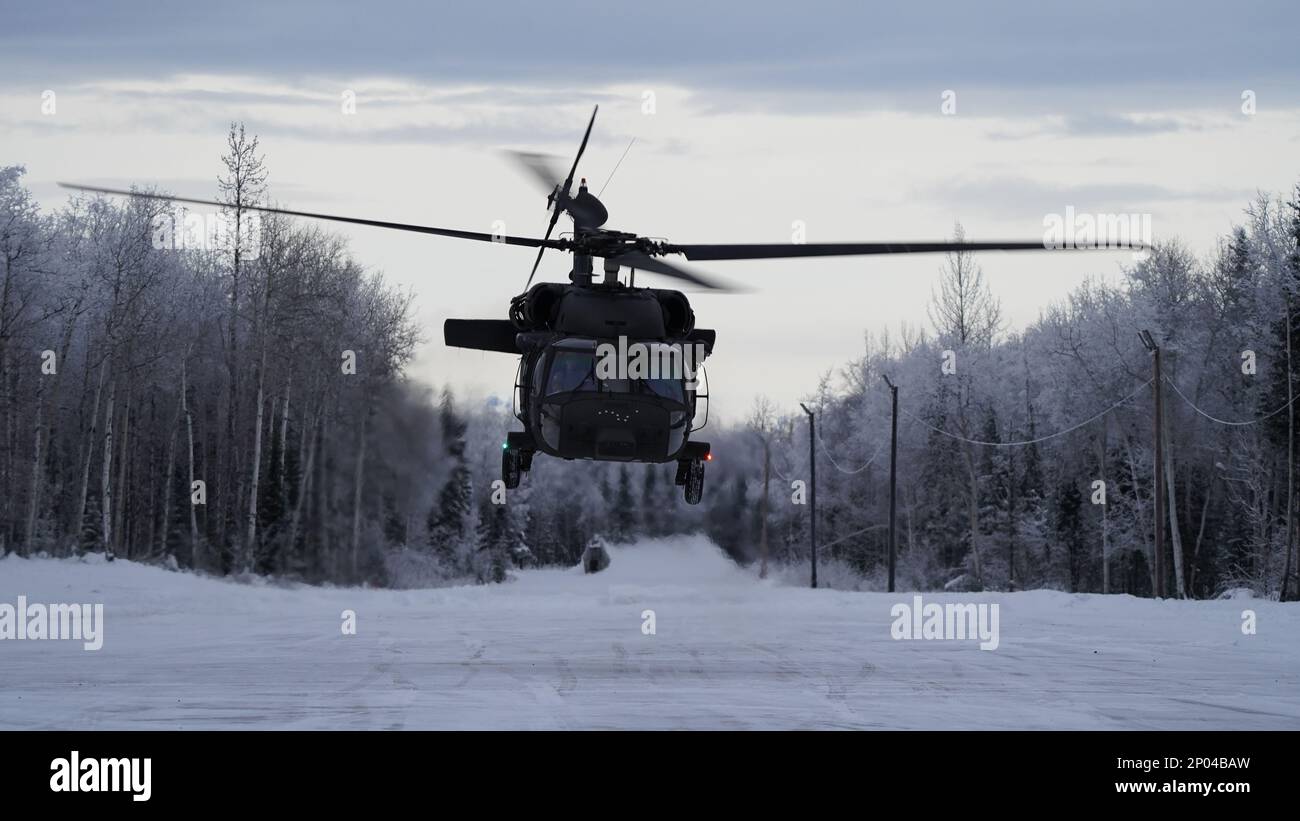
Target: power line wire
879, 448
843, 470
1212, 418
1024, 442
851, 535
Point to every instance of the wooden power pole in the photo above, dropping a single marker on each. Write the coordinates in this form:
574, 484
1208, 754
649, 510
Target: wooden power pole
767, 475
893, 477
812, 488
1159, 491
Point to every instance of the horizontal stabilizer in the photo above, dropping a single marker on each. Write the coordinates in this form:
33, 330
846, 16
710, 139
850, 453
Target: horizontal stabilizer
481, 334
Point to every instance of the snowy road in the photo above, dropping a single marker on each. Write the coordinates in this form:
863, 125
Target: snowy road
558, 649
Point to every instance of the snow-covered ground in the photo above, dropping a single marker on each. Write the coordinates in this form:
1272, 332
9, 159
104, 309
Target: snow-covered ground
560, 649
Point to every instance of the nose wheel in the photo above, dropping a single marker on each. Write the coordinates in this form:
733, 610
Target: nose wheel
514, 463
516, 457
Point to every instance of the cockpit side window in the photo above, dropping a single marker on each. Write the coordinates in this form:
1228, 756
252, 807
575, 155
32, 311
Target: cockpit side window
539, 373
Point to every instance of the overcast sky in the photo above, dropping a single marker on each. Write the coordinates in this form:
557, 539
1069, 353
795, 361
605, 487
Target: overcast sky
825, 113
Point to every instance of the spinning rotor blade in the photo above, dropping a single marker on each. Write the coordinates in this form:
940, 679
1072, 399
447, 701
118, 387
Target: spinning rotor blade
568, 181
842, 249
641, 262
564, 191
540, 166
421, 229
550, 226
555, 215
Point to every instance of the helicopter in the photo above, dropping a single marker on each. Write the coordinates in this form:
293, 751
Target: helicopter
573, 394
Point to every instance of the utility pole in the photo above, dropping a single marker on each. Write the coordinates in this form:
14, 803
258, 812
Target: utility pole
1159, 492
1290, 456
767, 474
893, 476
812, 489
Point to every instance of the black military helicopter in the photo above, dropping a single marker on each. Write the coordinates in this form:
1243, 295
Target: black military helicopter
570, 406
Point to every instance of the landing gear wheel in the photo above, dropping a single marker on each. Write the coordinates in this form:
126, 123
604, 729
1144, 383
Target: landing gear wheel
694, 490
510, 468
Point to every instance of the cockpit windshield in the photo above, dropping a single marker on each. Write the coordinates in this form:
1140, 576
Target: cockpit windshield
573, 369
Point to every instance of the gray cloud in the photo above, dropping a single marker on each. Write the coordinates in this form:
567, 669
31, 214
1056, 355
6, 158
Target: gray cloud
846, 51
514, 127
368, 96
1100, 124
1091, 125
1030, 199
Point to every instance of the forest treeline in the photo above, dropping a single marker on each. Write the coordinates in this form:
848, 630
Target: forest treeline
1029, 461
239, 405
218, 406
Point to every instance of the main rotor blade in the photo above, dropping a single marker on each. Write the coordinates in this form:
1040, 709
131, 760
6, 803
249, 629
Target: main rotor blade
399, 226
550, 226
842, 249
641, 262
568, 181
540, 166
